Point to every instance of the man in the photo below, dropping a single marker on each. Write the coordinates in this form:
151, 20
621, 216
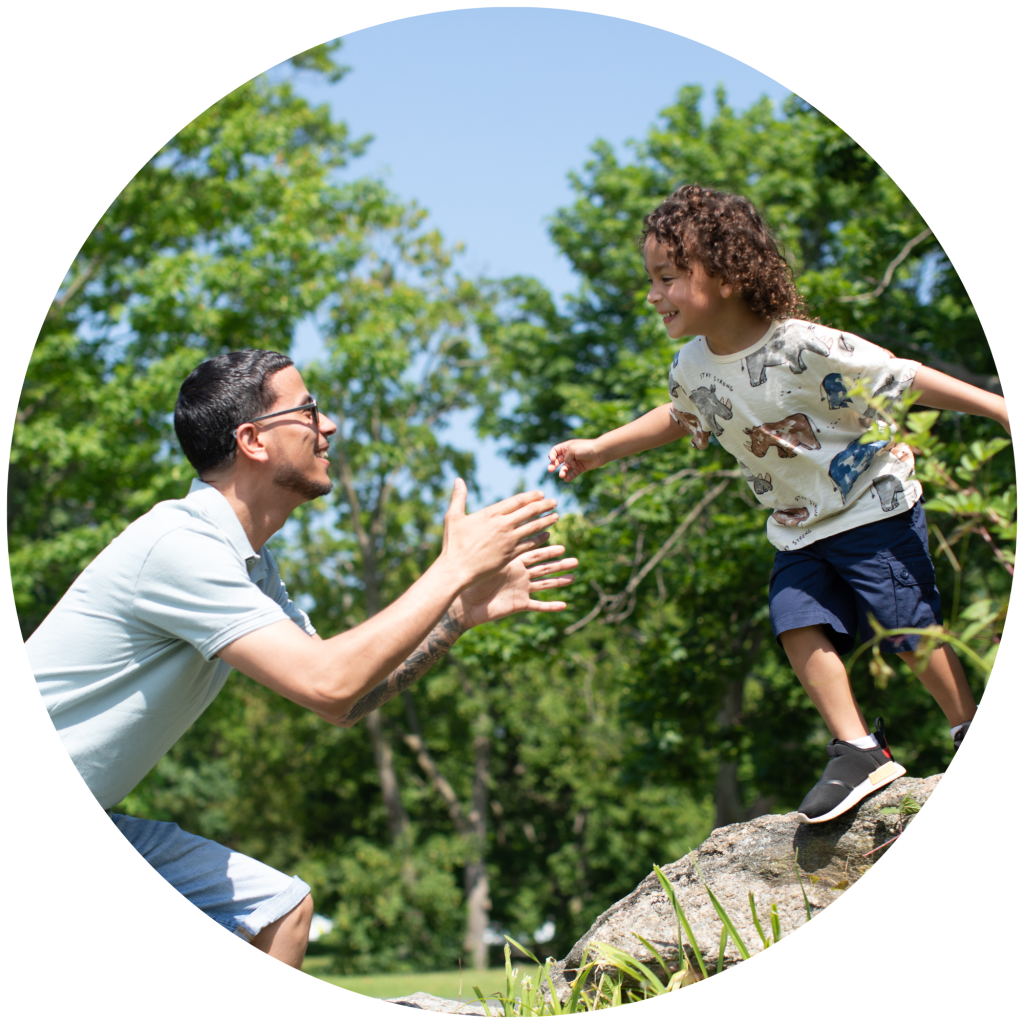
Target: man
145, 637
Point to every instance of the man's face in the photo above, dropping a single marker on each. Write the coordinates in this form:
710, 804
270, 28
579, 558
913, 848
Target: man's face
297, 445
688, 301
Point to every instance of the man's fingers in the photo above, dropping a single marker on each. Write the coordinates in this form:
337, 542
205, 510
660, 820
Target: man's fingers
540, 554
527, 512
535, 526
502, 508
457, 506
560, 581
550, 568
546, 606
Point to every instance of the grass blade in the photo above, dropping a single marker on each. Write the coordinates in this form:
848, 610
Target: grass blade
681, 917
544, 977
722, 915
576, 989
757, 922
776, 927
522, 949
722, 939
807, 902
657, 956
483, 1001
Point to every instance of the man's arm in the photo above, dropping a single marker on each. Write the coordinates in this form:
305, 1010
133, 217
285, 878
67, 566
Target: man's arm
331, 676
438, 643
504, 594
940, 391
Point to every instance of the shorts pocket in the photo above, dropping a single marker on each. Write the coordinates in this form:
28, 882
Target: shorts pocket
914, 586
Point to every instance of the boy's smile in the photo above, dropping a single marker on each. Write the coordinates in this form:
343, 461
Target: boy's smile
688, 301
691, 302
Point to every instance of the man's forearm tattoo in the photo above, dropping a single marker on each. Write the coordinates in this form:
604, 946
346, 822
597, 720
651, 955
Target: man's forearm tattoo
437, 644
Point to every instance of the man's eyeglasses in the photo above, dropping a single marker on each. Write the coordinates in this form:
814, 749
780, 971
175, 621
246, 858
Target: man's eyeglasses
280, 412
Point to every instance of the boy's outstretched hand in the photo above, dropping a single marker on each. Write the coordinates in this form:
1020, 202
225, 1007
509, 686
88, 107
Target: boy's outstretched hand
571, 458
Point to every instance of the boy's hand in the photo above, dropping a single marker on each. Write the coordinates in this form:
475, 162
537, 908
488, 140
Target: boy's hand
571, 458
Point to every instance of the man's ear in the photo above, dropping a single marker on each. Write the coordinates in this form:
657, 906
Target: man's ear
250, 444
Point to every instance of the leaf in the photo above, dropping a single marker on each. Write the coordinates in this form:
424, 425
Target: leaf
908, 805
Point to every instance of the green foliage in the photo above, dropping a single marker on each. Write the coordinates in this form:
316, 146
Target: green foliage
230, 235
615, 734
684, 614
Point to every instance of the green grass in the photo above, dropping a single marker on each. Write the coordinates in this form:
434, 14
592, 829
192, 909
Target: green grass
444, 984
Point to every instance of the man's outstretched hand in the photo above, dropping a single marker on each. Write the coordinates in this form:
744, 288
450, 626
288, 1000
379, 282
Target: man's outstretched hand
512, 588
477, 546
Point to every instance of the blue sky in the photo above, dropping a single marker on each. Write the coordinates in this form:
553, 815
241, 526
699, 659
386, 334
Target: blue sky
480, 115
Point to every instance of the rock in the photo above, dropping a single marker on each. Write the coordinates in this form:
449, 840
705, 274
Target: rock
425, 1001
752, 856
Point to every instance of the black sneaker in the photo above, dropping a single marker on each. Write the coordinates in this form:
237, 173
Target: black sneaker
850, 775
958, 737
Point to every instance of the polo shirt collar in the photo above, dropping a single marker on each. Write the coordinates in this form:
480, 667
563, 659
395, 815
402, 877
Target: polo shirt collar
216, 509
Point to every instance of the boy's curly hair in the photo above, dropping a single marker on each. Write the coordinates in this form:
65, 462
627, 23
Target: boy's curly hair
730, 239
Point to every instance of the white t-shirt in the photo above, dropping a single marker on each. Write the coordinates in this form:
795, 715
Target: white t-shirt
781, 408
126, 661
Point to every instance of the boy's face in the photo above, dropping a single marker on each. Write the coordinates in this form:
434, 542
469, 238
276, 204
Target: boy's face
688, 301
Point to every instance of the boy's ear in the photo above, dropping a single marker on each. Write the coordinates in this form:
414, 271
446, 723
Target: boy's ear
726, 288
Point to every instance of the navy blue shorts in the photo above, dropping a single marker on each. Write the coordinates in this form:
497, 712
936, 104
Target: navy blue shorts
883, 568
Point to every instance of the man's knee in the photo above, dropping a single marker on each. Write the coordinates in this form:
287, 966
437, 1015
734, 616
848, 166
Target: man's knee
286, 938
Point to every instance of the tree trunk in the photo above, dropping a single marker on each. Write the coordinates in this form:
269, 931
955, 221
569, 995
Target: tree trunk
478, 901
472, 828
398, 820
728, 804
383, 756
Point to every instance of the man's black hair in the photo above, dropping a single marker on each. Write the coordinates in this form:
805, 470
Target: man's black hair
219, 395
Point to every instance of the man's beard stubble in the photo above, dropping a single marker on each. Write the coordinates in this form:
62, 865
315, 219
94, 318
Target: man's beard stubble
292, 479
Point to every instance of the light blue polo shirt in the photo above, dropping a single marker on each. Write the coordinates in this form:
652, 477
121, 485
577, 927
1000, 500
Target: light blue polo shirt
127, 660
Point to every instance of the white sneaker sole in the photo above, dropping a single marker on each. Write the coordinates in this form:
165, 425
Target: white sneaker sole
881, 776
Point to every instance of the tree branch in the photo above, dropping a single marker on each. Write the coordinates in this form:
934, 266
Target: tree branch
612, 604
889, 271
83, 278
647, 488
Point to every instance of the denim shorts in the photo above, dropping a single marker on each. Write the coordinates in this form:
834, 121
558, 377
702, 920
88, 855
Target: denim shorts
883, 568
238, 892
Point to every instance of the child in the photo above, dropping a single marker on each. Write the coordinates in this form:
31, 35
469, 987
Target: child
847, 517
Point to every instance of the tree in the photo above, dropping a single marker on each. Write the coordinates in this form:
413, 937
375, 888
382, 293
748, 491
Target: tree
230, 235
674, 550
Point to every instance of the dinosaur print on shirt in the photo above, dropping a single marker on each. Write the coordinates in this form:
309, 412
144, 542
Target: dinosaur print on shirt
800, 392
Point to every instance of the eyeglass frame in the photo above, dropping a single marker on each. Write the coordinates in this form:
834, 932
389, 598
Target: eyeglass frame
280, 412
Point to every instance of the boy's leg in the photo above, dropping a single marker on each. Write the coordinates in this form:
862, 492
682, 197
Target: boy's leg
822, 674
944, 678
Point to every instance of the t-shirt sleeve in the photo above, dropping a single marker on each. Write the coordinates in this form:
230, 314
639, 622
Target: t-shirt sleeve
277, 591
683, 411
194, 587
862, 362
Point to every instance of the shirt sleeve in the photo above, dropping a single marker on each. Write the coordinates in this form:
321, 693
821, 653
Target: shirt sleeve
883, 376
684, 412
194, 587
275, 589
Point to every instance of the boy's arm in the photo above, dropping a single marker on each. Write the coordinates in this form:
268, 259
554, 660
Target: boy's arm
652, 430
939, 391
